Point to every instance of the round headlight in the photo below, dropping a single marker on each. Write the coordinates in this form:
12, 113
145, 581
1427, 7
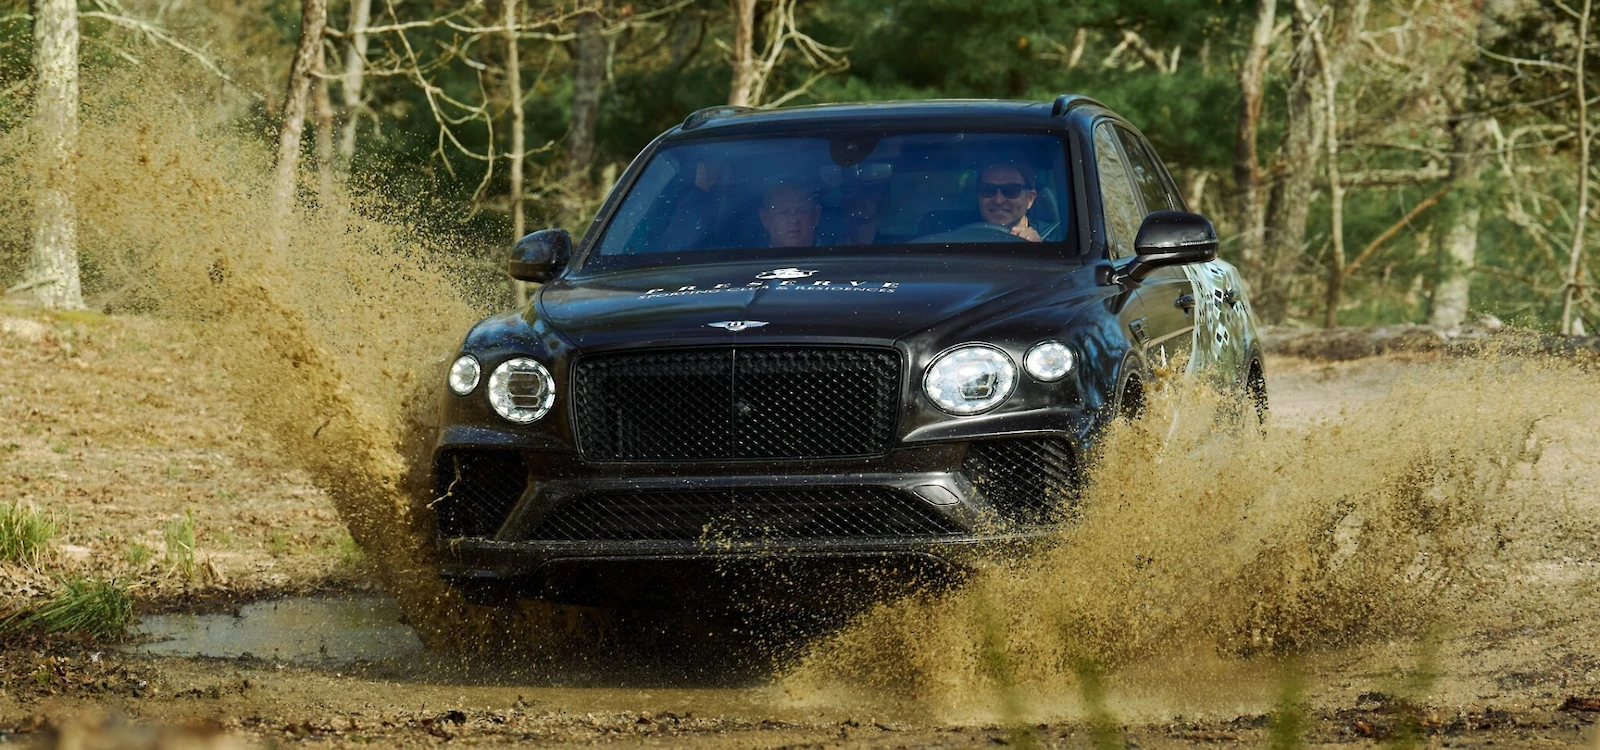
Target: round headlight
464, 374
970, 379
521, 390
1048, 361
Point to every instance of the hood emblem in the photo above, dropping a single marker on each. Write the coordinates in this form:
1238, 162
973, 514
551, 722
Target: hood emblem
785, 273
738, 325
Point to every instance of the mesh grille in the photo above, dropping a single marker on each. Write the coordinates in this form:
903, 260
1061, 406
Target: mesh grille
1028, 480
746, 403
745, 514
474, 491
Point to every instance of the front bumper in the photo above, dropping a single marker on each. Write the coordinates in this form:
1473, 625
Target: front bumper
551, 524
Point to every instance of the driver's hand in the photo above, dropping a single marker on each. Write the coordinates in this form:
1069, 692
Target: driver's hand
1026, 233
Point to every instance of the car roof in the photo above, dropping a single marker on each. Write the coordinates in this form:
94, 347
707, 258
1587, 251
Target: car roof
973, 113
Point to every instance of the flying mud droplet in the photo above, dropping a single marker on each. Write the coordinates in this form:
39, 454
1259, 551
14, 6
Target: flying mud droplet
1426, 508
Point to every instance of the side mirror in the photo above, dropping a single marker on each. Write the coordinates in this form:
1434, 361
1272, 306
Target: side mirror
538, 257
1171, 238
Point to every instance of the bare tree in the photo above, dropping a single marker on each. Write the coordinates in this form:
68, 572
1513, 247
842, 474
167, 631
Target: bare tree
519, 145
1319, 59
355, 68
313, 18
588, 76
744, 52
1573, 282
1330, 92
1295, 170
1247, 159
1452, 296
322, 120
53, 266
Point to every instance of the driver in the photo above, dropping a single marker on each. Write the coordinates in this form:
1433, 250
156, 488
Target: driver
1005, 193
789, 213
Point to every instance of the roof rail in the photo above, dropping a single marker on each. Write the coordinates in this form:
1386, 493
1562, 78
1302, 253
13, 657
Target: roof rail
1066, 102
701, 116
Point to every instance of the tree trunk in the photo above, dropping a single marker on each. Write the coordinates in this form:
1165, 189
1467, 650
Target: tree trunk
744, 54
588, 77
519, 224
1330, 114
322, 118
53, 265
1247, 159
1452, 295
355, 69
1575, 261
313, 17
1290, 203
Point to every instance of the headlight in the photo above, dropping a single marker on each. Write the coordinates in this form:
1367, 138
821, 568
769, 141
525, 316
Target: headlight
969, 380
1048, 361
521, 390
464, 374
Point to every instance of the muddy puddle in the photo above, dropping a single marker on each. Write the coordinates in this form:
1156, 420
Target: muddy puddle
304, 631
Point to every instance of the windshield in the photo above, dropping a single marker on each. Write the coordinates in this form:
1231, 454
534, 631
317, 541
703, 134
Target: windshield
783, 197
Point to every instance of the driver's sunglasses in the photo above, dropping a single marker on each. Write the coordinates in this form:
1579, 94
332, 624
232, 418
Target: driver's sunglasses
1008, 189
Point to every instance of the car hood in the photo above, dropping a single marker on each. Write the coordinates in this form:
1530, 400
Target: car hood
861, 299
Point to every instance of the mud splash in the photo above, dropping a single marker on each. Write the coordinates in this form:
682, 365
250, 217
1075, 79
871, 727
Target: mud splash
1424, 512
330, 348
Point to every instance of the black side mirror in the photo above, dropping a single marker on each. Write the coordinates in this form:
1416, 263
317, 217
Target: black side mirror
540, 256
1171, 238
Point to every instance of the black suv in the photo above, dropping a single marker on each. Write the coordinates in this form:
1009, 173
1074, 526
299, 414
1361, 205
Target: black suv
871, 333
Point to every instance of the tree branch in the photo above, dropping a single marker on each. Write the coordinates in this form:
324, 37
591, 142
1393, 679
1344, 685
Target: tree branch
1394, 229
1394, 177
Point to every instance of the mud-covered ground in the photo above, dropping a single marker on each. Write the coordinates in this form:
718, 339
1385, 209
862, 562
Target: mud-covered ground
121, 427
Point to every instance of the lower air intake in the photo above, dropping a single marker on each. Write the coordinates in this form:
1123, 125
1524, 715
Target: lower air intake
1027, 480
743, 515
474, 491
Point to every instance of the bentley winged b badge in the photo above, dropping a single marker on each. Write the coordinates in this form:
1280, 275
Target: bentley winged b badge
738, 325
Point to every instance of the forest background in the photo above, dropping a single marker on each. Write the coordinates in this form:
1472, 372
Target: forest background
1366, 161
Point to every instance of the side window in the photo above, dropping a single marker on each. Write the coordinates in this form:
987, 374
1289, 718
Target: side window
1117, 198
1146, 175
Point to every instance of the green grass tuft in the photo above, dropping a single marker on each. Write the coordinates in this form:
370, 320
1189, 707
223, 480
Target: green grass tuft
349, 552
1105, 733
25, 534
100, 609
996, 659
179, 536
138, 554
1289, 719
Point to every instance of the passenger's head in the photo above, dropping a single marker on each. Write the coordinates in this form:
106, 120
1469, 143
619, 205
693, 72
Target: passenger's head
789, 212
1005, 193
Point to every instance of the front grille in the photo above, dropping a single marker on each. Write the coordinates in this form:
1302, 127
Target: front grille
736, 403
742, 515
1027, 480
474, 491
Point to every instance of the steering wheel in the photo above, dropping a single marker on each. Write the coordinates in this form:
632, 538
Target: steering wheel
988, 226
